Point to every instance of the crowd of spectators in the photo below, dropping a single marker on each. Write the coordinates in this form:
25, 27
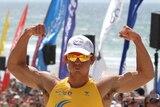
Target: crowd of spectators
137, 98
18, 95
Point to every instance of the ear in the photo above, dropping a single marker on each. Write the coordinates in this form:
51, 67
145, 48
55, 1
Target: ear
93, 58
64, 59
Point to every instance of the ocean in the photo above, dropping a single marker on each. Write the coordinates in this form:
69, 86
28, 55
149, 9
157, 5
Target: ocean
89, 20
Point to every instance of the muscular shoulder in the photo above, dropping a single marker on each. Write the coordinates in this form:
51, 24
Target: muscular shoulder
107, 80
106, 84
48, 81
114, 83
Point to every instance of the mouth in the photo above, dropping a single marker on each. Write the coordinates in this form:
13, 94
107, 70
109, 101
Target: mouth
77, 69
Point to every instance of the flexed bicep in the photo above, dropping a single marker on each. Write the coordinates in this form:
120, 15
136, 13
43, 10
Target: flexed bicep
17, 59
129, 81
27, 75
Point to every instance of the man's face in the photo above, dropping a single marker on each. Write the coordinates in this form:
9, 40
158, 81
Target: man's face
78, 64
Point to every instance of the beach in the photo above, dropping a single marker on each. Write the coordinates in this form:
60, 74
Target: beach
89, 20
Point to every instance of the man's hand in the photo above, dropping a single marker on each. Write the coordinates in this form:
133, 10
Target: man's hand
37, 30
128, 34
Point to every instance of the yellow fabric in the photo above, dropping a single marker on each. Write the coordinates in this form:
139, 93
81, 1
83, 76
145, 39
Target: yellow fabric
4, 34
64, 96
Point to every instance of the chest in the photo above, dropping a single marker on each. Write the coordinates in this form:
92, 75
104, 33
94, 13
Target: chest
87, 96
76, 97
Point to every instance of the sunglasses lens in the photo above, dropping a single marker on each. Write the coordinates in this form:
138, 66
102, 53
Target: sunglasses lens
82, 58
72, 57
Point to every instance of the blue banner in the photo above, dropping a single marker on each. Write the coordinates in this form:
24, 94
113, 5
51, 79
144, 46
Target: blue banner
158, 86
53, 23
67, 34
132, 15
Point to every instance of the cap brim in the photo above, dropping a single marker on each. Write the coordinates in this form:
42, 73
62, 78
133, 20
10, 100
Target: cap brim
79, 50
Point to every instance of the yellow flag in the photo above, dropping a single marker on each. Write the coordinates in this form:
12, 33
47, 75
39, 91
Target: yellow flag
4, 33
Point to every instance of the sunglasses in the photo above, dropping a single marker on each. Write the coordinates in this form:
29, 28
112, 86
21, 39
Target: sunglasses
82, 58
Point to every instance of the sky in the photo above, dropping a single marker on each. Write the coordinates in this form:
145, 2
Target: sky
149, 1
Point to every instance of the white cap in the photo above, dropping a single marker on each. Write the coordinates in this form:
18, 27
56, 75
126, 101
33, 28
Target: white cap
80, 44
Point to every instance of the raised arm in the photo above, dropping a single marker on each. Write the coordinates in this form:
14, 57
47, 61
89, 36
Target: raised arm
17, 59
144, 68
130, 80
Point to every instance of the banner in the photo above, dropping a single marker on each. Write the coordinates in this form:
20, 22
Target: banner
6, 78
53, 23
132, 15
20, 27
4, 33
67, 34
112, 16
158, 86
5, 82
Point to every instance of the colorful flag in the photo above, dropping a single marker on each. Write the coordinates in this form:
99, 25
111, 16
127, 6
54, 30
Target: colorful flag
6, 78
4, 33
67, 34
112, 16
20, 27
158, 86
132, 15
5, 82
53, 23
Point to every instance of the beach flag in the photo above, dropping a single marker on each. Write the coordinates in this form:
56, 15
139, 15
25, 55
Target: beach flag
4, 33
113, 14
67, 34
6, 78
132, 15
20, 27
6, 81
53, 24
158, 86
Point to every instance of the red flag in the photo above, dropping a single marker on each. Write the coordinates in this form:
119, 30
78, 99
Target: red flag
6, 81
6, 78
20, 27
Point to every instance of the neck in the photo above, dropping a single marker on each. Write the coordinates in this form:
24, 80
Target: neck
77, 82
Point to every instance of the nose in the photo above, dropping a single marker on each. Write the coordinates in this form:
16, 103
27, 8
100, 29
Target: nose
77, 62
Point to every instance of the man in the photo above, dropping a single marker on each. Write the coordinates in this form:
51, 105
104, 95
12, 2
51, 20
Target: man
78, 90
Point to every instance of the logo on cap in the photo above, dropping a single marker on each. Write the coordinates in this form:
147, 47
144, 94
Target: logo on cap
78, 41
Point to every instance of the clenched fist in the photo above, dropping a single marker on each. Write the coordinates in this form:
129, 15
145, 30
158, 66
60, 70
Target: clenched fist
37, 30
128, 33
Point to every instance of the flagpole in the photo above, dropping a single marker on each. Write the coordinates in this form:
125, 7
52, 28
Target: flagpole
156, 70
